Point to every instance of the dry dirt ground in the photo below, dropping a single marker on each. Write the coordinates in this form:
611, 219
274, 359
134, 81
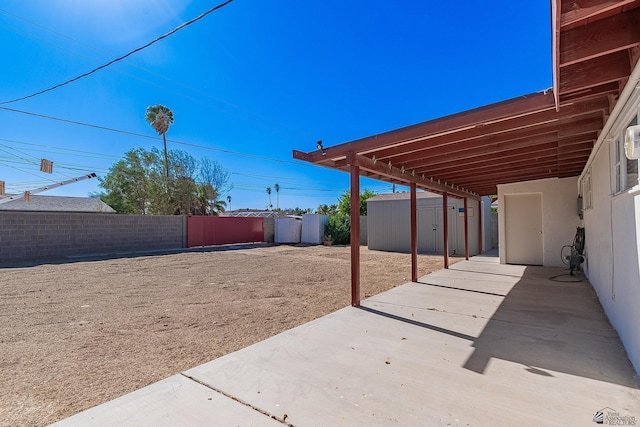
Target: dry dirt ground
78, 333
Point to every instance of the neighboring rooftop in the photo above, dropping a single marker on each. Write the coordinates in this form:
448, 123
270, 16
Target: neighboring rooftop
402, 196
58, 204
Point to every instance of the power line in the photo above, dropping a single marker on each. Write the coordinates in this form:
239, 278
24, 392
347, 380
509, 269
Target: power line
64, 151
242, 112
236, 153
120, 58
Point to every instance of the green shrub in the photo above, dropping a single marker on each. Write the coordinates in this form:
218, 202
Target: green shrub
338, 229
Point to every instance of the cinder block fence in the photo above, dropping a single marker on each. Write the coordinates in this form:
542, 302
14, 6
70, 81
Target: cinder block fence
31, 235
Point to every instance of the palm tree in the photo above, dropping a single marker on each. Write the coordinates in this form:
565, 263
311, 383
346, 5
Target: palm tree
269, 193
229, 200
160, 118
277, 187
217, 207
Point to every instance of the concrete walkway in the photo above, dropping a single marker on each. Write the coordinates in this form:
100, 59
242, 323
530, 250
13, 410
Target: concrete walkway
479, 344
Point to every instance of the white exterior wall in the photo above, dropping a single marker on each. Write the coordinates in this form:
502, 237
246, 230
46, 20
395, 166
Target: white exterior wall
612, 240
559, 215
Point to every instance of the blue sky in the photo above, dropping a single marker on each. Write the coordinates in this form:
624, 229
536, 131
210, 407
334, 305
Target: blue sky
252, 81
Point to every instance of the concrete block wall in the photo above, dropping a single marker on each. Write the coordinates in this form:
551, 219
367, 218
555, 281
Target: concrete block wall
269, 229
32, 235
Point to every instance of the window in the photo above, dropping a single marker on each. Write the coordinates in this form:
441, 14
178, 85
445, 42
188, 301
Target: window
625, 171
587, 191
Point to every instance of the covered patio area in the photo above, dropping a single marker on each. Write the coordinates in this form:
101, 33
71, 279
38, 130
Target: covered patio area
481, 343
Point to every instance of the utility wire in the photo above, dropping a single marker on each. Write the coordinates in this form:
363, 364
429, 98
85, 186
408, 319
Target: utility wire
249, 116
65, 151
237, 153
120, 58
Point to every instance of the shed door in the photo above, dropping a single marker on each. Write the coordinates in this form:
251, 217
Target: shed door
427, 230
430, 231
452, 231
523, 229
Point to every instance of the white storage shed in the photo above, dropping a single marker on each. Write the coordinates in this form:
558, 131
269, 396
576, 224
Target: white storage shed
389, 228
288, 230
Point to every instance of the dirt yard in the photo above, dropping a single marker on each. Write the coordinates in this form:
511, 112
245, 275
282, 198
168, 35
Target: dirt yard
79, 333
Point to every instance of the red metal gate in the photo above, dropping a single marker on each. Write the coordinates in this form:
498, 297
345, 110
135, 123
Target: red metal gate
217, 230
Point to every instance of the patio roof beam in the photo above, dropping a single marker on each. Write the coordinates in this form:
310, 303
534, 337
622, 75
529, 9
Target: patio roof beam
575, 14
536, 123
514, 171
506, 110
495, 144
497, 156
600, 38
613, 67
405, 176
488, 185
515, 162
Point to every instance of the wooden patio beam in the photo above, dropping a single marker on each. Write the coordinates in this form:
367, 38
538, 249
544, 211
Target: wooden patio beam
541, 122
598, 71
474, 149
513, 171
405, 176
486, 186
498, 157
506, 110
583, 12
619, 32
514, 162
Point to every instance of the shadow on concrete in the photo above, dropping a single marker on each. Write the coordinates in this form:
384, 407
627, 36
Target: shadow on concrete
417, 323
560, 327
460, 289
67, 259
544, 325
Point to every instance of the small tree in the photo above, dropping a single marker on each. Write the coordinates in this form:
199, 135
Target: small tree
277, 188
338, 230
327, 210
344, 202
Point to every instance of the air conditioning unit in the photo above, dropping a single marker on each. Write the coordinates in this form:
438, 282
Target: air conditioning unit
632, 142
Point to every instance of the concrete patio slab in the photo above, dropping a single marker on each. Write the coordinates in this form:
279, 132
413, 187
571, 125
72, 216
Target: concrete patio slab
479, 344
175, 401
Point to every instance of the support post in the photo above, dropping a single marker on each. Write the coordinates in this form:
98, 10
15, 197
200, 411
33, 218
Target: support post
479, 226
414, 234
466, 230
355, 236
445, 229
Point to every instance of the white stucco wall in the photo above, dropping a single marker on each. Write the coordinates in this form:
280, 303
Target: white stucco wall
559, 215
612, 229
